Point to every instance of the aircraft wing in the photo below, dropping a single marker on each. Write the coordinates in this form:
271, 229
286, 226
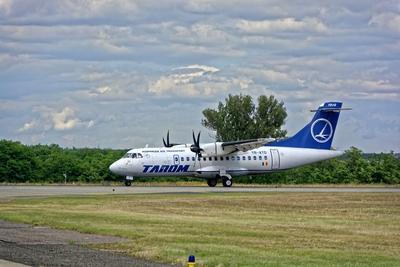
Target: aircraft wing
246, 145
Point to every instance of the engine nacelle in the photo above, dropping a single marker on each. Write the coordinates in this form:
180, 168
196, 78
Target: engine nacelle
215, 149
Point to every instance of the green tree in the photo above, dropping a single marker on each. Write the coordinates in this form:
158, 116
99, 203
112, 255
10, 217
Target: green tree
239, 118
359, 169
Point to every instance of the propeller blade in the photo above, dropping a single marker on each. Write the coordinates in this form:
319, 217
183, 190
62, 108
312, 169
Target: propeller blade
195, 148
168, 138
198, 140
165, 144
194, 138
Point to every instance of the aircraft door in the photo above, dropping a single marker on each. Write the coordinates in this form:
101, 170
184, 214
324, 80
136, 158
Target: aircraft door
275, 158
176, 160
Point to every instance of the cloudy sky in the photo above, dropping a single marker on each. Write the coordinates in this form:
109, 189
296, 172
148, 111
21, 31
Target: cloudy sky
118, 74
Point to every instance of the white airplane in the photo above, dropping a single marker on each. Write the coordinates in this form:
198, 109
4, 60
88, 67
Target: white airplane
224, 160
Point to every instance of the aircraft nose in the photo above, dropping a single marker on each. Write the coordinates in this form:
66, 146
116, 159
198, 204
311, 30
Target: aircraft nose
114, 167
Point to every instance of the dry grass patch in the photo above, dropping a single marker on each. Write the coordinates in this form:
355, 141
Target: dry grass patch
233, 229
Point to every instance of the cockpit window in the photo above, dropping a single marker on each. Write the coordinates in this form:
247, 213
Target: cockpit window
133, 155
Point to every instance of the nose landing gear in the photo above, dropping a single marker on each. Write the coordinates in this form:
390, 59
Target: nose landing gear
128, 180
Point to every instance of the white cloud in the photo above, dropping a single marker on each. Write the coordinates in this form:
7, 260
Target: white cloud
28, 126
187, 81
201, 68
5, 7
101, 90
270, 75
203, 6
53, 119
386, 21
114, 62
281, 25
90, 124
62, 120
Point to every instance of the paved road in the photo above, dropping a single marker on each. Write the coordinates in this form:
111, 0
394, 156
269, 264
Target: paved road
57, 190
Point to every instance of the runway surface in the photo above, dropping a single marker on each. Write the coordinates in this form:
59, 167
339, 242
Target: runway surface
63, 190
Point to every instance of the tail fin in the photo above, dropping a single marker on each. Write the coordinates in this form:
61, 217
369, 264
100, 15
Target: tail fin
319, 132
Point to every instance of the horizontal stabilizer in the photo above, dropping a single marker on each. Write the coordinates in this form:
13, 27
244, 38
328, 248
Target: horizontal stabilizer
330, 109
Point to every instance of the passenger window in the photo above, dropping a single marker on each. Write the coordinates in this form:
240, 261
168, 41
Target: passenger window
209, 158
182, 159
227, 158
134, 155
139, 155
244, 157
249, 157
260, 157
187, 159
204, 159
238, 158
193, 159
215, 158
233, 157
254, 157
265, 157
221, 158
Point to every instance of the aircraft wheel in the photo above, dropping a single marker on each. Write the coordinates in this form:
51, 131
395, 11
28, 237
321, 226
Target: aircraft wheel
128, 183
226, 182
212, 182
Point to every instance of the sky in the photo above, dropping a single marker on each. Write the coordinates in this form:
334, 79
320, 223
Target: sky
119, 74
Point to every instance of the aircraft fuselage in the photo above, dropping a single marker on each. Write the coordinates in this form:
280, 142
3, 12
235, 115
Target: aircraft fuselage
180, 161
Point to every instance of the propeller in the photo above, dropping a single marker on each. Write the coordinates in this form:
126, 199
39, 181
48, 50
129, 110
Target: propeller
195, 148
167, 144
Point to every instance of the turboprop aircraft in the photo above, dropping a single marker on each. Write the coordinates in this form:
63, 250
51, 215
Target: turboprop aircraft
221, 161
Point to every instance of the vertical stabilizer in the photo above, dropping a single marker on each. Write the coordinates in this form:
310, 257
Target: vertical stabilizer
319, 132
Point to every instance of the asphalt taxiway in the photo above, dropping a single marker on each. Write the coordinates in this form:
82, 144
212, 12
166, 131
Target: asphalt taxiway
12, 191
26, 245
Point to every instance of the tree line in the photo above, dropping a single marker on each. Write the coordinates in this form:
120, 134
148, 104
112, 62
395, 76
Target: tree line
21, 163
53, 164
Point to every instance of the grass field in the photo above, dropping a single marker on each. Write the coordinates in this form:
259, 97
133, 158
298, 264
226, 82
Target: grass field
233, 229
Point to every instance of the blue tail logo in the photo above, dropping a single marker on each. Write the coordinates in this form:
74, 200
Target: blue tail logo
321, 130
317, 134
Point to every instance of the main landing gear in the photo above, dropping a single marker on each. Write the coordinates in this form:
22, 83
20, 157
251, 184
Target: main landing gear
226, 181
212, 182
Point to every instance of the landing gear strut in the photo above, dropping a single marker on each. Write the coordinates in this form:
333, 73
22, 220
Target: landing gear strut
212, 182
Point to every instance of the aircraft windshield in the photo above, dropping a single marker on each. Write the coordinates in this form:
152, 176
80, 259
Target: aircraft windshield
133, 155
